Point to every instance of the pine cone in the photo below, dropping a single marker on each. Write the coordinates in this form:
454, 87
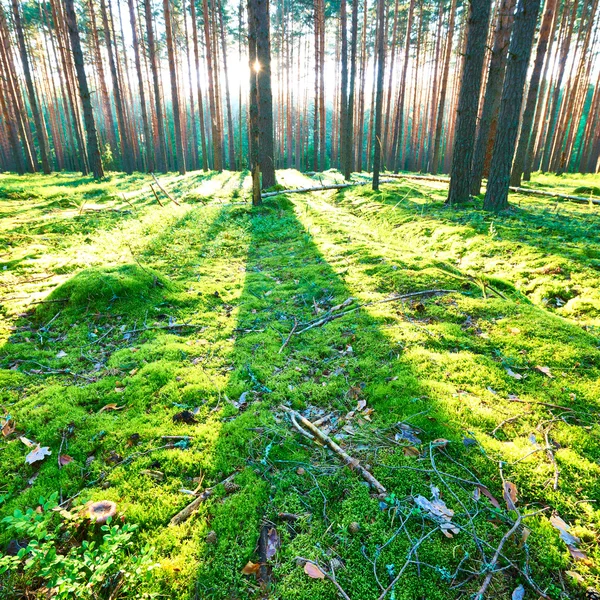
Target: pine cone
230, 487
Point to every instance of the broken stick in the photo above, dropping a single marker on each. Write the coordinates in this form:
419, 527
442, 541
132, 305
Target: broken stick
186, 512
162, 189
327, 441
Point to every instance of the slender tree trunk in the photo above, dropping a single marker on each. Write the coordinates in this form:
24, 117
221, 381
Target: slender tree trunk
439, 122
199, 86
379, 92
532, 94
468, 102
397, 154
496, 196
349, 155
254, 137
38, 117
88, 115
179, 153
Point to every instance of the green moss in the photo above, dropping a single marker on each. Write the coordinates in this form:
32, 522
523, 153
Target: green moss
128, 283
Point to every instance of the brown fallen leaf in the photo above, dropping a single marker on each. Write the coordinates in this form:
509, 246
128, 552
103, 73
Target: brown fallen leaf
110, 407
64, 459
411, 451
489, 495
545, 371
250, 568
440, 442
185, 416
8, 427
510, 495
361, 404
27, 442
313, 571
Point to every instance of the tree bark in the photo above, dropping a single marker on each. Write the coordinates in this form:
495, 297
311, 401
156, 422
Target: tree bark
468, 102
379, 92
94, 156
532, 94
493, 92
496, 195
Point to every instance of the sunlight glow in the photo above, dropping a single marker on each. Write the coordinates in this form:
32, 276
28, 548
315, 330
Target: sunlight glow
257, 66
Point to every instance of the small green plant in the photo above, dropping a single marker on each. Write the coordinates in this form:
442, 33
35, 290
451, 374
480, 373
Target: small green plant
69, 556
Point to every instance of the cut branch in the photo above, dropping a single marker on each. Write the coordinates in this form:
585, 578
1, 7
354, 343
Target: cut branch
186, 512
353, 463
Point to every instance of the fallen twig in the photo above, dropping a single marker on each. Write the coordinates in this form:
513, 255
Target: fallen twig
186, 512
162, 189
156, 195
331, 316
551, 457
353, 463
289, 337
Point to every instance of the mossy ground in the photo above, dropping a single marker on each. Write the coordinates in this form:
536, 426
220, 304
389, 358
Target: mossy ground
96, 280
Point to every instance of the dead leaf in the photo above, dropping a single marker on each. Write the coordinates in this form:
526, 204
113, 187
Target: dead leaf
411, 451
518, 593
64, 459
575, 575
110, 407
510, 495
27, 442
514, 375
185, 416
361, 404
577, 554
440, 442
250, 568
313, 571
272, 543
61, 354
568, 538
489, 495
39, 453
525, 534
514, 330
8, 427
545, 371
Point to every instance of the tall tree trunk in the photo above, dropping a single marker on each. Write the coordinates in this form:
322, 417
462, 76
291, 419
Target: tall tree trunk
496, 195
254, 137
532, 94
179, 153
349, 156
126, 153
265, 97
230, 134
343, 103
493, 91
94, 156
468, 102
148, 141
379, 92
397, 154
214, 118
199, 85
40, 128
160, 113
439, 122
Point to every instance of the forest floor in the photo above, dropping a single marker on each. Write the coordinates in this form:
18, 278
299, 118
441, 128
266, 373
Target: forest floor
122, 321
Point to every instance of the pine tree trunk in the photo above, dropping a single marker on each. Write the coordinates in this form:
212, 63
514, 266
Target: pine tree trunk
94, 156
254, 137
200, 98
265, 98
379, 92
493, 92
397, 153
468, 102
349, 156
439, 122
496, 196
179, 153
138, 67
126, 153
160, 114
38, 119
532, 94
